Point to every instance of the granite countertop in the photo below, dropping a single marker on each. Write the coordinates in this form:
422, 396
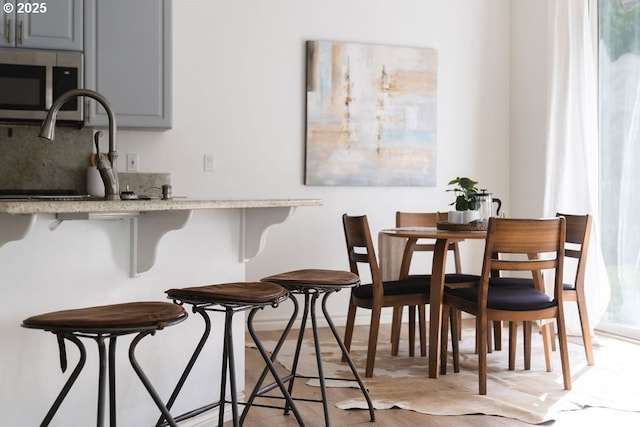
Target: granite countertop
26, 207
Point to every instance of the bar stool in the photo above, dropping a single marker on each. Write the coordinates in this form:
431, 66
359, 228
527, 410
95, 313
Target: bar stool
229, 298
102, 323
312, 283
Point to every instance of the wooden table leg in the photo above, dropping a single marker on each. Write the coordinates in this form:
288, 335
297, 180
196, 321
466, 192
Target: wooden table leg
435, 305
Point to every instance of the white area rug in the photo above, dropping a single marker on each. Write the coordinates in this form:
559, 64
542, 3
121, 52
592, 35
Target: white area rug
534, 396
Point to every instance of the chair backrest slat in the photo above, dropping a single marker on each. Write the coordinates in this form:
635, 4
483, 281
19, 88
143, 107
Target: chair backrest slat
578, 236
360, 247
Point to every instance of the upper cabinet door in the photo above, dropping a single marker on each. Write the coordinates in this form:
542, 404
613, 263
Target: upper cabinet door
7, 26
53, 24
128, 60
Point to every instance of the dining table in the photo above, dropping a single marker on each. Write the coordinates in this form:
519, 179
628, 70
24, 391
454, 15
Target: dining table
391, 243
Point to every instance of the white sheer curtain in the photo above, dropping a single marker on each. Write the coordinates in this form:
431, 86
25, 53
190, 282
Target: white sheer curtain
571, 184
619, 68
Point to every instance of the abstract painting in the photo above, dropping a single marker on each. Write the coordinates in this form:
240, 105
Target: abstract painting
371, 115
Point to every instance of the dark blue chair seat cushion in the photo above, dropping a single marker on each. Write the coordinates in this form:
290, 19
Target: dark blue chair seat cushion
501, 281
512, 297
413, 285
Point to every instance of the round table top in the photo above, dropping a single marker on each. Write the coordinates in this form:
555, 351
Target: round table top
433, 233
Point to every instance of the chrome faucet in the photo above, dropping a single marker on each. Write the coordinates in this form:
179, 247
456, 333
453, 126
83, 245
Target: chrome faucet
107, 168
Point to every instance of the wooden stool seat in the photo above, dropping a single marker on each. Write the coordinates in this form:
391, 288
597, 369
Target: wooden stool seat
237, 293
315, 278
109, 317
101, 323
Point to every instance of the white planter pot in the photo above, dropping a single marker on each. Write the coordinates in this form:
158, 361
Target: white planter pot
469, 216
455, 217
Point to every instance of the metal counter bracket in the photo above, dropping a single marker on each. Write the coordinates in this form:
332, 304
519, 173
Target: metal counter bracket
254, 224
147, 230
15, 227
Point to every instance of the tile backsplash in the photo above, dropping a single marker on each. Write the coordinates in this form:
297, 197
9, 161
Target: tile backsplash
28, 162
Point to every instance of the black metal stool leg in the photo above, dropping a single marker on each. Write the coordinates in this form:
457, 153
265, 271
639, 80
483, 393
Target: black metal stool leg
257, 389
316, 342
112, 381
231, 365
189, 367
311, 296
223, 376
102, 369
145, 381
345, 353
271, 367
296, 354
72, 378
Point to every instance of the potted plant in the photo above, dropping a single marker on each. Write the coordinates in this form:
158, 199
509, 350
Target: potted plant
465, 203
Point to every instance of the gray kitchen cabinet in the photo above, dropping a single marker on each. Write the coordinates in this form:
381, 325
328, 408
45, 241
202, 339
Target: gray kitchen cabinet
128, 60
52, 24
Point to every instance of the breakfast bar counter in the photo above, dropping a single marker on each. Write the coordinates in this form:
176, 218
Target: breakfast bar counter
150, 219
36, 206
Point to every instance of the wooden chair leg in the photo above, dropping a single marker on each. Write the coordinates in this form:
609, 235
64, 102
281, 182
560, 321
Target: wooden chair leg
449, 317
481, 325
547, 329
488, 343
513, 344
489, 338
526, 332
412, 330
422, 325
564, 352
374, 329
455, 340
396, 324
497, 335
586, 330
548, 343
444, 339
348, 330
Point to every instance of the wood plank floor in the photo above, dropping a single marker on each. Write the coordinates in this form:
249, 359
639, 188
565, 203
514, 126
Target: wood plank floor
312, 413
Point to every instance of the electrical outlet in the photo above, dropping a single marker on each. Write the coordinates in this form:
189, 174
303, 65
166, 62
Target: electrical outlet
132, 162
209, 162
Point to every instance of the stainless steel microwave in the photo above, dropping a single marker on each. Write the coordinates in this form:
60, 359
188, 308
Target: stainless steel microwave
30, 80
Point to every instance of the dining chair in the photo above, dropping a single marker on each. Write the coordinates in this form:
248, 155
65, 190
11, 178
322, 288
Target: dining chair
523, 246
377, 294
424, 219
576, 250
577, 247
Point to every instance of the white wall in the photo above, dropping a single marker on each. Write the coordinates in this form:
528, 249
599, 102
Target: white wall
239, 93
529, 84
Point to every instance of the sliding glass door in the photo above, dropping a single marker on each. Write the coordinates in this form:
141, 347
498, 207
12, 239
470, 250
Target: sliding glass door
619, 81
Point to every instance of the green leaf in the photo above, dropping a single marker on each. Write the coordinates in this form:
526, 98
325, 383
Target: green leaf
465, 193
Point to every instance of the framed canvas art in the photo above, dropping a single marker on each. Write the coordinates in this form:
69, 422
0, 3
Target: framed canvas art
371, 115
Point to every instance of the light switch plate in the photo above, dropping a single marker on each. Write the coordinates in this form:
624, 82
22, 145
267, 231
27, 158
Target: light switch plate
209, 162
132, 162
